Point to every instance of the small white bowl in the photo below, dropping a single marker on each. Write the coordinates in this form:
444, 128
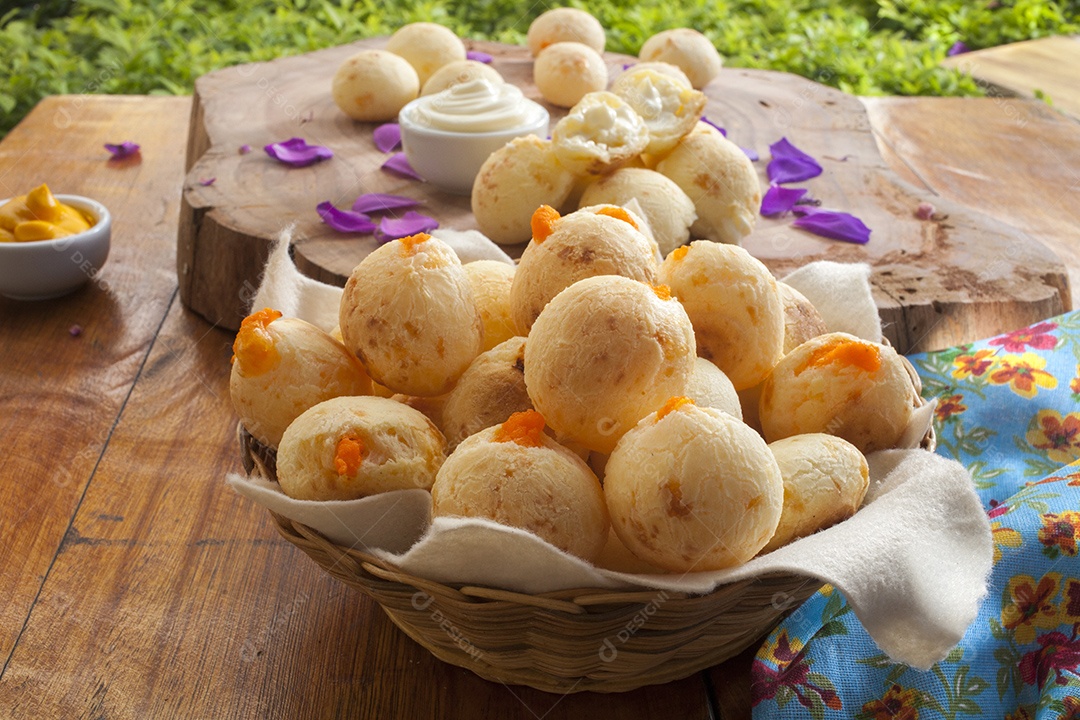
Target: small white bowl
450, 160
44, 269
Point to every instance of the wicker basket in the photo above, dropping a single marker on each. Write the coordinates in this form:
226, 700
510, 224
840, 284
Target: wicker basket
567, 641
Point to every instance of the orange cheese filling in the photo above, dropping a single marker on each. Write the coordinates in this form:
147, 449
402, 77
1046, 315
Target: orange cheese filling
349, 454
254, 345
680, 252
865, 356
524, 428
619, 214
408, 244
543, 222
672, 405
662, 291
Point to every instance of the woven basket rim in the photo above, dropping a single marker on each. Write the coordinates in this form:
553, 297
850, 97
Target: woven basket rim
483, 610
257, 453
690, 632
561, 600
261, 459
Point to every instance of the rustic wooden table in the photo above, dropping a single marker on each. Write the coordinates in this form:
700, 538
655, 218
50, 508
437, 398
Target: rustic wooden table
1044, 67
137, 585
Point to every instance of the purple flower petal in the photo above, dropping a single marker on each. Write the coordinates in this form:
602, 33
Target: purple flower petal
410, 223
344, 220
399, 165
207, 182
958, 48
388, 137
380, 202
627, 66
832, 224
479, 56
779, 200
751, 153
296, 152
123, 150
244, 149
710, 123
790, 164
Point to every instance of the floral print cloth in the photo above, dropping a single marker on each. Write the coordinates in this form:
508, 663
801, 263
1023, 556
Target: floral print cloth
1009, 410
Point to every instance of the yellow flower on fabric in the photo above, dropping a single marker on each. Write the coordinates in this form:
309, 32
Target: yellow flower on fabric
1058, 436
897, 704
1004, 537
1030, 606
1074, 384
1023, 374
1020, 714
949, 406
781, 651
1061, 530
973, 365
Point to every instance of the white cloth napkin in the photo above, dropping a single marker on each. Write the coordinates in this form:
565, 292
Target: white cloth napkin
913, 562
841, 293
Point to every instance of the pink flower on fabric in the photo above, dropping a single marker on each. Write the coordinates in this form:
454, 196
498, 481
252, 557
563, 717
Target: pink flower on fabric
1036, 336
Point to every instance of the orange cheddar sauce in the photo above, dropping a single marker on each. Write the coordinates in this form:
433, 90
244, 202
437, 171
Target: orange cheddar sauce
543, 222
680, 252
38, 215
254, 345
672, 405
619, 214
864, 356
349, 454
524, 428
408, 244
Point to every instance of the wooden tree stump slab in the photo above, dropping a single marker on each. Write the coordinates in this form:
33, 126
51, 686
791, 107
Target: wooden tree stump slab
955, 278
1045, 66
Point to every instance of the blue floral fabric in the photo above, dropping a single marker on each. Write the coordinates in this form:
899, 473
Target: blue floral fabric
1009, 410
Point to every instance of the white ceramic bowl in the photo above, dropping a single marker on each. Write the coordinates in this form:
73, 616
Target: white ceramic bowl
450, 160
45, 269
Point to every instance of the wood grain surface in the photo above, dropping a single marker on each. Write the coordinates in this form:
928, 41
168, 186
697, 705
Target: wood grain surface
168, 579
60, 395
137, 585
1029, 178
931, 282
1046, 66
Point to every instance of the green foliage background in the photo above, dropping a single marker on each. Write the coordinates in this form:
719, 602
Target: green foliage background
862, 46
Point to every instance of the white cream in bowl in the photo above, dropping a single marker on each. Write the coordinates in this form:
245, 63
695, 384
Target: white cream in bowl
448, 136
